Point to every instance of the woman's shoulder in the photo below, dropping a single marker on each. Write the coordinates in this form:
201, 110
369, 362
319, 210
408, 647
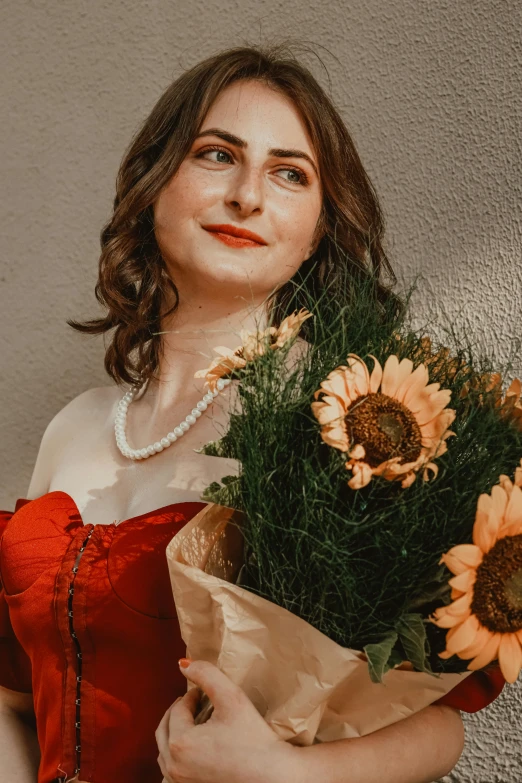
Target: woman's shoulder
91, 403
84, 410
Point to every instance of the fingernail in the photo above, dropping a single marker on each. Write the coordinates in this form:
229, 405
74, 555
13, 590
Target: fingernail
184, 662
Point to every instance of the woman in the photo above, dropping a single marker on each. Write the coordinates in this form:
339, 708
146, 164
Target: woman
242, 180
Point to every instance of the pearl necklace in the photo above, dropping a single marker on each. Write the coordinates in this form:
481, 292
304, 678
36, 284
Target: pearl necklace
120, 423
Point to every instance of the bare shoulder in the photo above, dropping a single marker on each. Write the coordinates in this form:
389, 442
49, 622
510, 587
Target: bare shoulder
95, 403
85, 410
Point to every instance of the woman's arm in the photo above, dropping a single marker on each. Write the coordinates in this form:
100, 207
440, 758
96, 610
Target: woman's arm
419, 749
236, 744
19, 749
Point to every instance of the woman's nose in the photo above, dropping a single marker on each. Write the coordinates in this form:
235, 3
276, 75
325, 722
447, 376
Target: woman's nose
246, 191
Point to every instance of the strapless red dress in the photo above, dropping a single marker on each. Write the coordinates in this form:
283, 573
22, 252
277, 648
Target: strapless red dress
88, 625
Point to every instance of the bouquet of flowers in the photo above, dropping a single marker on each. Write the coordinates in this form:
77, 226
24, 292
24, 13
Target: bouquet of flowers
368, 555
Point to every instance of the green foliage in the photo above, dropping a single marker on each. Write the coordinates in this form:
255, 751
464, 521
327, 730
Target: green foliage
362, 566
225, 494
382, 656
412, 634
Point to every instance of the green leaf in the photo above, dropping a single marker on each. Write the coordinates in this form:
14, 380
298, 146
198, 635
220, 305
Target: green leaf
209, 492
214, 448
225, 494
227, 445
412, 633
395, 659
435, 588
379, 656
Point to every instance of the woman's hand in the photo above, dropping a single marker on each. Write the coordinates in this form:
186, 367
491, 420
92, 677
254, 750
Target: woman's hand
235, 745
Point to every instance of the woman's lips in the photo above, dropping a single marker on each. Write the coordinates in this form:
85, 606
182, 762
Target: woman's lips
228, 239
234, 236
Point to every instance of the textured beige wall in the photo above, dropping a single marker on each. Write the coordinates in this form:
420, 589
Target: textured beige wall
432, 93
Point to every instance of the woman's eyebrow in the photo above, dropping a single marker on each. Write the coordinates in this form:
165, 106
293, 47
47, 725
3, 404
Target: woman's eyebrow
237, 142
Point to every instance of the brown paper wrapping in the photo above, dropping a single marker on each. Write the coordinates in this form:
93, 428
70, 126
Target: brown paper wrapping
306, 686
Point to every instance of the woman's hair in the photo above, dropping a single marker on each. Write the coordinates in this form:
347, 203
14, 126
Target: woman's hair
133, 283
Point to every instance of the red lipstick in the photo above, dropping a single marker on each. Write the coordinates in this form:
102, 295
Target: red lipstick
235, 236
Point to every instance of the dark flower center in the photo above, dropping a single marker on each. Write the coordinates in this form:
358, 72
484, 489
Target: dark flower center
497, 592
385, 428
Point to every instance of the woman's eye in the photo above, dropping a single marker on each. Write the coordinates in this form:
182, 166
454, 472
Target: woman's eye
299, 177
218, 150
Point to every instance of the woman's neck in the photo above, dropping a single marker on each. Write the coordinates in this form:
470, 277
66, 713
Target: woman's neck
188, 337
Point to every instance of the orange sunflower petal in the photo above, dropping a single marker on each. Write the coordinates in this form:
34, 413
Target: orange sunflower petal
446, 620
452, 632
460, 558
330, 410
335, 437
474, 649
461, 605
362, 475
499, 502
486, 525
513, 512
408, 480
291, 326
358, 452
510, 656
456, 593
436, 432
469, 554
222, 350
394, 373
518, 475
420, 392
430, 467
336, 386
426, 407
487, 654
357, 377
464, 581
455, 565
392, 468
464, 635
412, 383
376, 376
432, 431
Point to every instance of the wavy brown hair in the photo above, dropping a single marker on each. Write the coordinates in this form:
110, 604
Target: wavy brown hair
133, 283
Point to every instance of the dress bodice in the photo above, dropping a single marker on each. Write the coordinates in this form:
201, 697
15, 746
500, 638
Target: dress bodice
88, 624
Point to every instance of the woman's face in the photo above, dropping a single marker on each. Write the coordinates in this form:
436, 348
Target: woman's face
251, 167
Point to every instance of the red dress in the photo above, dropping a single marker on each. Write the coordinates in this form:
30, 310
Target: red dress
88, 625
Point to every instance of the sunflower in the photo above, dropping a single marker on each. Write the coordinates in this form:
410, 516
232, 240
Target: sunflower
510, 407
390, 423
252, 344
485, 617
489, 384
437, 360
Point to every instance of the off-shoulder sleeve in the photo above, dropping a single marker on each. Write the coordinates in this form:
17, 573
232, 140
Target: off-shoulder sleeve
476, 691
15, 665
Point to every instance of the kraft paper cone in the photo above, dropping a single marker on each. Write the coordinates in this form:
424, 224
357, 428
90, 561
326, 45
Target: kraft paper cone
306, 686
